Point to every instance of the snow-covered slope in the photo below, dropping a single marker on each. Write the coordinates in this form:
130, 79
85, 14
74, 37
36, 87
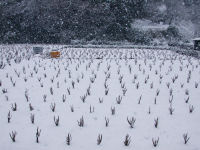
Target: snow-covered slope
139, 83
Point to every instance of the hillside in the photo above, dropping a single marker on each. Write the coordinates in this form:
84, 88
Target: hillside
63, 21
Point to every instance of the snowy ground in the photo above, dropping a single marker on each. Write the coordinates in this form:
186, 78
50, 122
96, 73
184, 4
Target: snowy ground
150, 82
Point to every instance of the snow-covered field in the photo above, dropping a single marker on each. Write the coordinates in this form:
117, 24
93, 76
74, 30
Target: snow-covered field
133, 90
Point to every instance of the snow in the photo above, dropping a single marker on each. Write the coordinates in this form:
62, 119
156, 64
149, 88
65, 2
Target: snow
158, 67
196, 39
187, 29
147, 25
162, 8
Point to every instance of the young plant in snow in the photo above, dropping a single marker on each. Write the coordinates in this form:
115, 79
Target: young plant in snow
137, 85
9, 117
73, 84
113, 110
44, 97
151, 85
156, 122
26, 95
68, 90
52, 80
149, 111
72, 108
41, 85
186, 92
171, 99
81, 122
157, 92
13, 135
119, 99
187, 100
171, 110
124, 90
91, 109
25, 79
38, 132
127, 140
68, 139
4, 90
88, 92
107, 121
186, 138
32, 117
106, 91
53, 107
131, 122
171, 92
56, 120
155, 100
196, 85
51, 90
100, 100
155, 142
168, 84
64, 98
191, 108
31, 107
139, 100
58, 84
6, 97
14, 107
83, 98
182, 85
99, 139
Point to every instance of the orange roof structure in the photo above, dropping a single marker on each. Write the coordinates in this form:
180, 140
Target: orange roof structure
55, 54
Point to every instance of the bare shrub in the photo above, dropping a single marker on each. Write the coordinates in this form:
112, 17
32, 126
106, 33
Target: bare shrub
51, 90
68, 139
81, 122
191, 108
156, 122
100, 100
171, 110
31, 107
91, 109
44, 97
32, 117
155, 142
14, 107
53, 107
99, 139
9, 117
83, 98
72, 108
38, 132
107, 121
64, 98
13, 135
131, 122
113, 110
119, 99
56, 120
127, 140
186, 138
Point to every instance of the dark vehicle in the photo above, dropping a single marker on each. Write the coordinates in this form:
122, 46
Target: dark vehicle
197, 44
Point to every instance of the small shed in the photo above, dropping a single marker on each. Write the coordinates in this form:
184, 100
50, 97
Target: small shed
196, 44
38, 50
55, 54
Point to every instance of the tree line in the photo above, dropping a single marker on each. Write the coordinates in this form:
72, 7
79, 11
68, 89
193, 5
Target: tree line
61, 21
